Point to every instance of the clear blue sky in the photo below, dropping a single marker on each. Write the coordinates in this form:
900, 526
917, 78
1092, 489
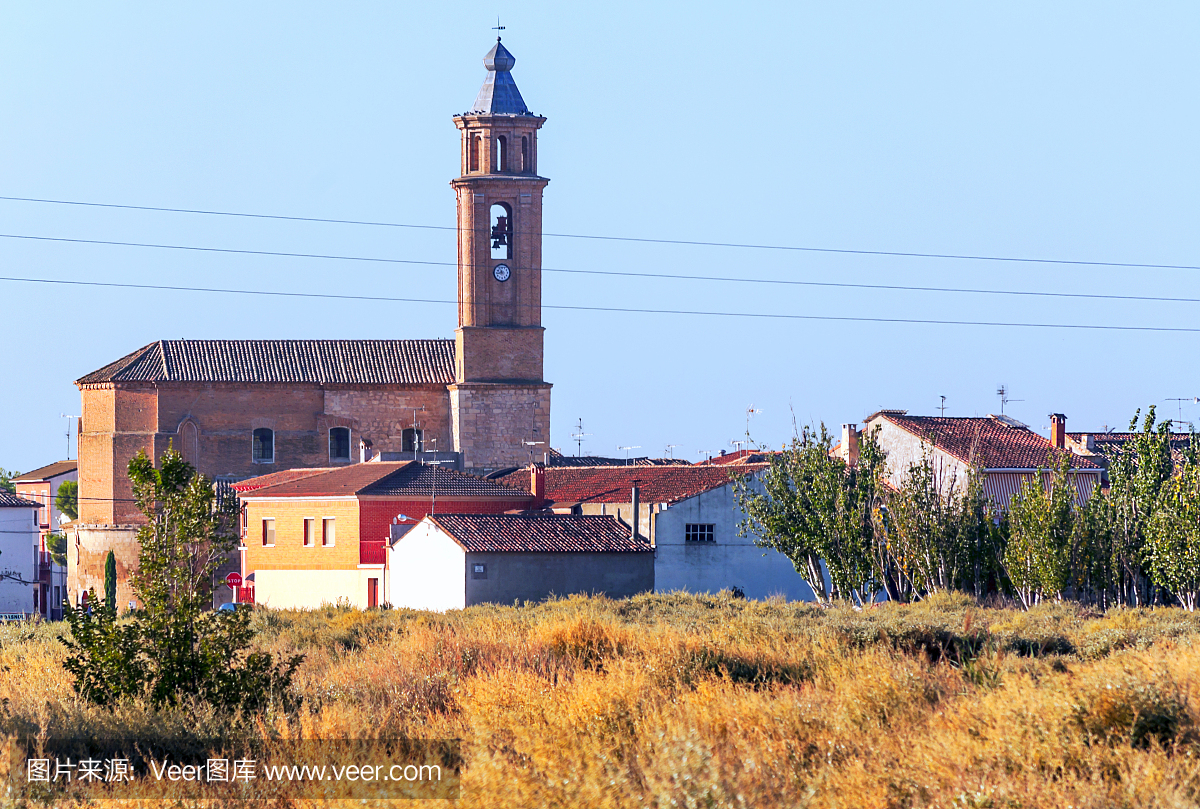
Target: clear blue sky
1011, 129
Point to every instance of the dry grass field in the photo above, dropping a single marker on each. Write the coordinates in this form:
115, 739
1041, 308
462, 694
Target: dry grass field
683, 701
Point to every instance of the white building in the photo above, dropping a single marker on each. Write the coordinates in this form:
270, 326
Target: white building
689, 514
19, 546
41, 485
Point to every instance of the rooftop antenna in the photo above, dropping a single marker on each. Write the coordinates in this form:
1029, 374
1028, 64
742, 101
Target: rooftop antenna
498, 28
942, 407
418, 444
434, 463
531, 445
707, 453
671, 451
579, 436
68, 418
737, 445
751, 411
1002, 392
635, 446
1179, 400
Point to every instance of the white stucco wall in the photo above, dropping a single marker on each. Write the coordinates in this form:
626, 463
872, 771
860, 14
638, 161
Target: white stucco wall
311, 589
19, 542
729, 561
427, 571
905, 449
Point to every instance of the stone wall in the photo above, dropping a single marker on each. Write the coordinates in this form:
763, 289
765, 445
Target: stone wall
491, 422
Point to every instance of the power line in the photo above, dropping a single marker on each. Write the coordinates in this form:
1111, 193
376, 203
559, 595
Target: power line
668, 276
642, 240
619, 309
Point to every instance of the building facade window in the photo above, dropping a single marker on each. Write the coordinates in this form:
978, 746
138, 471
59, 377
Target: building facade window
339, 443
412, 440
699, 532
310, 533
264, 445
268, 532
328, 532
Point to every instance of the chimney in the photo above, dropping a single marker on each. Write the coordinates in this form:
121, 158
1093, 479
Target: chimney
537, 485
636, 514
1058, 430
364, 450
850, 444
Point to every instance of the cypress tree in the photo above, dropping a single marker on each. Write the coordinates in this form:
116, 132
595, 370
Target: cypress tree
110, 581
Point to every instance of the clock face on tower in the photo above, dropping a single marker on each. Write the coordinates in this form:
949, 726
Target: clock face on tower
501, 272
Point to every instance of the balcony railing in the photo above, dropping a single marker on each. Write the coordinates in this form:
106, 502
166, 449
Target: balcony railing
371, 552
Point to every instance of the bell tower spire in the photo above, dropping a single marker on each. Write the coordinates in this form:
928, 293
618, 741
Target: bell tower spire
499, 340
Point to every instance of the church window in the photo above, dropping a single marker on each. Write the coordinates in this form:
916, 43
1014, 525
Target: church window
525, 167
339, 443
189, 442
264, 445
699, 532
473, 159
268, 532
501, 231
412, 440
501, 153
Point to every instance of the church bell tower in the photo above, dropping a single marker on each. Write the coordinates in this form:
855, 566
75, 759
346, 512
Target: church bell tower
500, 405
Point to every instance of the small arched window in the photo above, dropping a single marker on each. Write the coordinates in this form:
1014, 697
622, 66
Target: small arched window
189, 442
525, 167
473, 157
412, 440
264, 445
339, 443
501, 153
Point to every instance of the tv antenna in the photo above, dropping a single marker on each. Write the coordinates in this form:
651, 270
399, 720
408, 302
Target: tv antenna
579, 436
670, 449
737, 445
942, 407
635, 446
531, 445
707, 453
1178, 400
751, 411
1002, 392
68, 418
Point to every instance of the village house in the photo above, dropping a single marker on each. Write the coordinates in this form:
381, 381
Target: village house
1008, 452
237, 409
688, 514
451, 561
41, 485
20, 557
319, 536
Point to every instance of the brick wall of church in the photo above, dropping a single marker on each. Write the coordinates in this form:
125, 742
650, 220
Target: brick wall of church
491, 422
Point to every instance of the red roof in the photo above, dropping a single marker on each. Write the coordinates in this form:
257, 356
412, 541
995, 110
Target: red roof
740, 457
614, 484
47, 472
994, 442
387, 479
251, 484
539, 533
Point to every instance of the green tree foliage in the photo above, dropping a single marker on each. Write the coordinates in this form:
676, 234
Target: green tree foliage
173, 648
820, 514
56, 544
67, 499
6, 480
1172, 554
1041, 533
110, 581
941, 531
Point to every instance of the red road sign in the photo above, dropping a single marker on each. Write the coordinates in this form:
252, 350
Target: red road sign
234, 579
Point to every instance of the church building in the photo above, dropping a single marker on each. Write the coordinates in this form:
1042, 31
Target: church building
241, 408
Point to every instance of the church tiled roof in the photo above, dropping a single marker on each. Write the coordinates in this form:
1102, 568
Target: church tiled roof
372, 362
540, 533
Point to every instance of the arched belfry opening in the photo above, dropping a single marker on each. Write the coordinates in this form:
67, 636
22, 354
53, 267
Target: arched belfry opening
502, 230
501, 154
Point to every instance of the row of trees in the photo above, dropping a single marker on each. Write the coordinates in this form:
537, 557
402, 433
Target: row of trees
853, 535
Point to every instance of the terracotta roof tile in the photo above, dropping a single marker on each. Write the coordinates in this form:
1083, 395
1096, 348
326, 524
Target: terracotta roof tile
381, 362
385, 479
273, 478
540, 533
994, 442
12, 501
609, 484
49, 471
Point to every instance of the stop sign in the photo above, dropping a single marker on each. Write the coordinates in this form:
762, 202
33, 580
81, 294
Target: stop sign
234, 579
